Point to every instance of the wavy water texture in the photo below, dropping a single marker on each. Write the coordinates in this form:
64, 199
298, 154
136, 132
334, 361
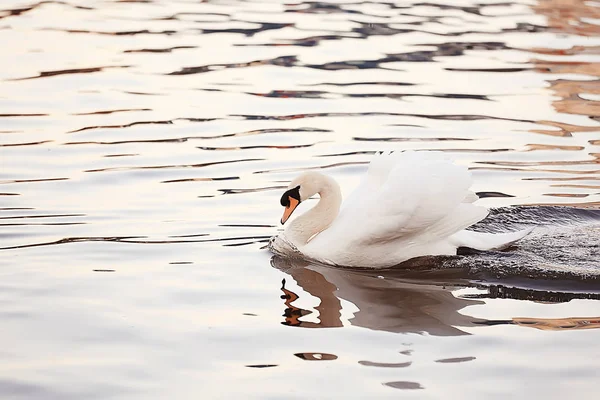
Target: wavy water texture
151, 140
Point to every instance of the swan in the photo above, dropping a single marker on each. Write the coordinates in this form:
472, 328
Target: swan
409, 204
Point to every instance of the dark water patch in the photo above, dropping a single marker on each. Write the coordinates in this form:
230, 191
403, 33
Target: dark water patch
316, 94
47, 74
453, 150
22, 115
483, 195
350, 153
385, 365
262, 365
117, 142
142, 93
26, 144
280, 147
87, 128
455, 360
247, 226
319, 7
208, 164
46, 224
450, 49
458, 150
226, 239
474, 9
188, 236
406, 385
15, 208
283, 61
103, 270
116, 33
44, 216
299, 94
32, 180
15, 12
120, 155
10, 194
411, 139
310, 41
498, 70
181, 262
464, 46
161, 50
385, 29
225, 178
448, 117
541, 163
105, 112
316, 356
347, 84
263, 27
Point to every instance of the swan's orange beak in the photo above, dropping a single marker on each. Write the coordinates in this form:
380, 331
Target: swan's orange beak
293, 203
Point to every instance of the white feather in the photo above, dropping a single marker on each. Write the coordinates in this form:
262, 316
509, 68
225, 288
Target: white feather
409, 204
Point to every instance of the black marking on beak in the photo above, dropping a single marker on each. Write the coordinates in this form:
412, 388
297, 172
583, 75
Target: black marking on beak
294, 193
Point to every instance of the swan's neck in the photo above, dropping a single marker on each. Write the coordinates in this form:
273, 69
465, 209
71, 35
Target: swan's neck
318, 218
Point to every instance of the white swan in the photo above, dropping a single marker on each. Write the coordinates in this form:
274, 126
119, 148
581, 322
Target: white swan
409, 204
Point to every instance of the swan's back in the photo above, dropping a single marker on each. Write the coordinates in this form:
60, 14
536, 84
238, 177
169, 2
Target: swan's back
409, 204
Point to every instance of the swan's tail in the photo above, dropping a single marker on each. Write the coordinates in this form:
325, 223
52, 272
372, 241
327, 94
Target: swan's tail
488, 241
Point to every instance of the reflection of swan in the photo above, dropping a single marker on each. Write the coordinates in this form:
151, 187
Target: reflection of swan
384, 304
394, 304
409, 204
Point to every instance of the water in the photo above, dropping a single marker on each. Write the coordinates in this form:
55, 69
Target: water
144, 148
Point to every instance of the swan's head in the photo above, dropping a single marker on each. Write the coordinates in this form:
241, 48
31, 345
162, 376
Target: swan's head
303, 187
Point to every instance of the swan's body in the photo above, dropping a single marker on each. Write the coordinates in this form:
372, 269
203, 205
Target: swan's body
409, 204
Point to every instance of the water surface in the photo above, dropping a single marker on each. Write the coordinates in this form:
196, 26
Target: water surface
144, 146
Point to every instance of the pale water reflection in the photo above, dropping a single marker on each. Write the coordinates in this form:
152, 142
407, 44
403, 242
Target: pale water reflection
144, 146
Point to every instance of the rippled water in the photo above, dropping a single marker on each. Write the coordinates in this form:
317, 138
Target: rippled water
144, 146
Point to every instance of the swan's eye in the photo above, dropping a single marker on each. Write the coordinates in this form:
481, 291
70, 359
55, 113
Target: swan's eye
294, 193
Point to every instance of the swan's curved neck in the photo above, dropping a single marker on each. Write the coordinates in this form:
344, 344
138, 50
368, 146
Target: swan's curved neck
318, 218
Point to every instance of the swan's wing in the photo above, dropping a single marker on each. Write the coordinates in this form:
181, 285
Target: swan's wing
380, 167
407, 195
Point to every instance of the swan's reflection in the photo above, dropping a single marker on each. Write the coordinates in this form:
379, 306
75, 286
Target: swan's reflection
388, 303
384, 304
